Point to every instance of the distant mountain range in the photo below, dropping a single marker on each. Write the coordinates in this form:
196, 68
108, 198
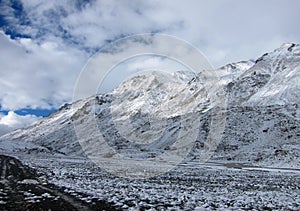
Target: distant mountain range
262, 116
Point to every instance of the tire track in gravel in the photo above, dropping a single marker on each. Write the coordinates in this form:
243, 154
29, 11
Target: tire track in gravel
66, 198
4, 168
32, 195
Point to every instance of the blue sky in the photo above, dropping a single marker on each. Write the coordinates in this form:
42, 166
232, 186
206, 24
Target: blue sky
45, 44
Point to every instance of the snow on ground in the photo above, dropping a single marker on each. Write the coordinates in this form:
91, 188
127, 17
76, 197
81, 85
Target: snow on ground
187, 187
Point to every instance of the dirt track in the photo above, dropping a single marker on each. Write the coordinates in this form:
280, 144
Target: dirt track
21, 189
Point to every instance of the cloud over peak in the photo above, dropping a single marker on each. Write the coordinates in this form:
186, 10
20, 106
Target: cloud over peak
12, 121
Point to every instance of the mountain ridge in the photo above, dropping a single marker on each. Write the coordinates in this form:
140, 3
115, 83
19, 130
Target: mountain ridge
262, 125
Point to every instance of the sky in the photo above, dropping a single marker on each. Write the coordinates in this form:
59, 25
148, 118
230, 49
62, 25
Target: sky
45, 44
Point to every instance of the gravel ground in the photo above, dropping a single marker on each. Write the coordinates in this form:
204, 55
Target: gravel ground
188, 187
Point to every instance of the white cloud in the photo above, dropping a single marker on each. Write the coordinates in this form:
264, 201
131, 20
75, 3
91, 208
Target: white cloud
149, 63
37, 75
13, 121
241, 29
41, 71
91, 24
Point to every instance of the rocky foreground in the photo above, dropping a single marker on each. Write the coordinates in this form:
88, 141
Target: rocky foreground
21, 188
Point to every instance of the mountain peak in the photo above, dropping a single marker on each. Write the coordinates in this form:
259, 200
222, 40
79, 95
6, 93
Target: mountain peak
262, 96
288, 45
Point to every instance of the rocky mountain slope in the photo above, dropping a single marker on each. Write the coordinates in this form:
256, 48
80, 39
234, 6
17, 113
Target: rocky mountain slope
262, 116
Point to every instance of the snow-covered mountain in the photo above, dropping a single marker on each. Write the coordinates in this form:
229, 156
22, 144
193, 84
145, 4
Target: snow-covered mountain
262, 126
272, 80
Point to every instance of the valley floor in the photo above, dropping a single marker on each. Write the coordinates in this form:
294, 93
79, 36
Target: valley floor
188, 187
